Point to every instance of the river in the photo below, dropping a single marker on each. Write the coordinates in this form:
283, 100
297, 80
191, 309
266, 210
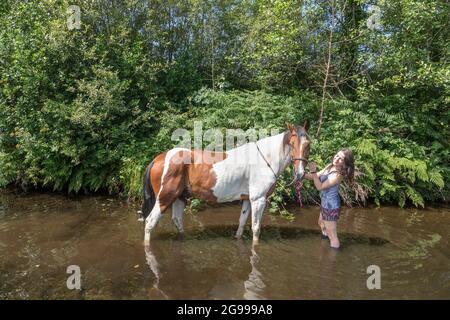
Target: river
42, 234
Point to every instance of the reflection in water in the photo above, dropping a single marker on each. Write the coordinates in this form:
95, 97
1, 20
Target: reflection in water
327, 267
327, 257
154, 266
254, 286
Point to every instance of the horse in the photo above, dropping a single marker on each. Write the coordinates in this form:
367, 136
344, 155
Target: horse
248, 173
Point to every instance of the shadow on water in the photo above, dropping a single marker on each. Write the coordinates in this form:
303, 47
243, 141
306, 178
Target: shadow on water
269, 233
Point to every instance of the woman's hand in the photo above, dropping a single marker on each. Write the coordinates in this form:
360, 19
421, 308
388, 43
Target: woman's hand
312, 167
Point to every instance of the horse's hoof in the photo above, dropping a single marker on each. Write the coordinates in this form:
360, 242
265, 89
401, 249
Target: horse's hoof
238, 236
146, 243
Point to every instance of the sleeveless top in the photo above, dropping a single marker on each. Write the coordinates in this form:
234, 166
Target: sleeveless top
329, 198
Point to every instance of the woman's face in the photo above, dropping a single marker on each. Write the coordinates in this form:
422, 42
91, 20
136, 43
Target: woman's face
338, 159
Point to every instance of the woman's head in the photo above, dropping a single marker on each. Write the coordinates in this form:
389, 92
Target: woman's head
343, 161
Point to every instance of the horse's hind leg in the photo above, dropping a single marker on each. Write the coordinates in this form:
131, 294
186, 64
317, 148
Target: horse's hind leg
172, 186
245, 211
152, 221
177, 214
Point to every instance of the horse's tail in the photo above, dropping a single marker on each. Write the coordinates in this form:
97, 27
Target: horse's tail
149, 194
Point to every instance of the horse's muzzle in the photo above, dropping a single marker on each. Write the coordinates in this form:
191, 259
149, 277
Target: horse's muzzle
299, 176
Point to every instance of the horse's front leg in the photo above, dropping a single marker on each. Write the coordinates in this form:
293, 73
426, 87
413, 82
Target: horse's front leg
258, 206
245, 211
177, 215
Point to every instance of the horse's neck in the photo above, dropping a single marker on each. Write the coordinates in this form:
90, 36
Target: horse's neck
274, 151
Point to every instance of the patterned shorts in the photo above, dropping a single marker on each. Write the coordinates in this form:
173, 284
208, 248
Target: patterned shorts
330, 214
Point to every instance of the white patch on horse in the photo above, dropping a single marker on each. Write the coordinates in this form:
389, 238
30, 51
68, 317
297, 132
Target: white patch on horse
245, 169
152, 220
232, 175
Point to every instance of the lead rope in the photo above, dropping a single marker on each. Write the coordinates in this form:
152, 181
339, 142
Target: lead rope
298, 191
298, 184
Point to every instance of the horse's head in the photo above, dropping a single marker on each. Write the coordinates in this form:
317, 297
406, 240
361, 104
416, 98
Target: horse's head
298, 140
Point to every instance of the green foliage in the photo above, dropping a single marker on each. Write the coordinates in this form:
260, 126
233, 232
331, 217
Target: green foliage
194, 205
390, 167
85, 110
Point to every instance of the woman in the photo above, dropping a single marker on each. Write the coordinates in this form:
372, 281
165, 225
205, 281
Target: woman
327, 181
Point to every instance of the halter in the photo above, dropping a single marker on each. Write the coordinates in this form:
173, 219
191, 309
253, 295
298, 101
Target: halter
292, 159
298, 184
301, 158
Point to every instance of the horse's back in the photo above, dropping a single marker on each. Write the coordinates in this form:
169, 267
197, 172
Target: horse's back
208, 175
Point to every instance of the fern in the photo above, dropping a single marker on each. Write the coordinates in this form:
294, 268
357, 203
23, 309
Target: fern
76, 181
436, 178
366, 147
401, 199
421, 170
414, 196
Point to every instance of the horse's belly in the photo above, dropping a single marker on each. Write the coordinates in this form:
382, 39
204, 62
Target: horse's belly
231, 183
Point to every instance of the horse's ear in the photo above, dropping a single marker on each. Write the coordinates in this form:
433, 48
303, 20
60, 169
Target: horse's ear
290, 126
306, 125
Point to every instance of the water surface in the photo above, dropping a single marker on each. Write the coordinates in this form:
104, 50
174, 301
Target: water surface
41, 235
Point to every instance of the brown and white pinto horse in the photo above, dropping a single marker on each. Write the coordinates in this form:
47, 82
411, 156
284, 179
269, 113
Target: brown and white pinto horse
247, 173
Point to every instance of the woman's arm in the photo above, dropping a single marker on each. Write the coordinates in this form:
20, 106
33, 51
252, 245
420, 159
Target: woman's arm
321, 171
310, 176
313, 171
313, 168
331, 181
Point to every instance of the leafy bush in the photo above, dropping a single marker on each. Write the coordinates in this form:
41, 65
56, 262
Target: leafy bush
85, 110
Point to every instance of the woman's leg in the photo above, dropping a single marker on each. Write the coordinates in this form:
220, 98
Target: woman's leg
331, 227
322, 225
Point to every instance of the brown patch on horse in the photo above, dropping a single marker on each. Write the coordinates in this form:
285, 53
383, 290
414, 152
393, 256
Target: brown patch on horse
185, 177
173, 182
156, 172
201, 177
244, 197
287, 140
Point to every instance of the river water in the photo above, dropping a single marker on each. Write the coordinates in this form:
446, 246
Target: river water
41, 235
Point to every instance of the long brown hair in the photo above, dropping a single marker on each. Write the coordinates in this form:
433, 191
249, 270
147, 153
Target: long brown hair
348, 169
